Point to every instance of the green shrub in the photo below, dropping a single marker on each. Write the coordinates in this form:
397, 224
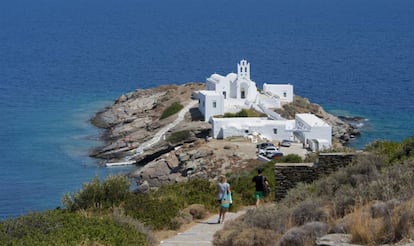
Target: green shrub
406, 150
89, 196
59, 227
93, 194
243, 113
194, 191
291, 158
115, 189
387, 148
171, 110
243, 188
155, 212
179, 137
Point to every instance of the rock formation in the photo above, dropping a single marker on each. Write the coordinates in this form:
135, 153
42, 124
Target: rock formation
181, 153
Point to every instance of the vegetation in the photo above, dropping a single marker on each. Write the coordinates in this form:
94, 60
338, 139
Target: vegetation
243, 113
299, 105
171, 110
291, 158
179, 137
371, 199
95, 195
60, 227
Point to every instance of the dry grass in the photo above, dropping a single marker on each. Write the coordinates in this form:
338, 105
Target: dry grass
364, 230
235, 233
393, 224
403, 217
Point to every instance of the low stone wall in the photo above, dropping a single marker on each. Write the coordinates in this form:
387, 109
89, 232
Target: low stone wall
288, 175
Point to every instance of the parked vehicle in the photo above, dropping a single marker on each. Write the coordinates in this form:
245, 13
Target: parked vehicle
264, 145
285, 143
268, 150
275, 155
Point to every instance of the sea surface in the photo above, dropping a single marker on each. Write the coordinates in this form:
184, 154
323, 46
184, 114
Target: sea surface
61, 61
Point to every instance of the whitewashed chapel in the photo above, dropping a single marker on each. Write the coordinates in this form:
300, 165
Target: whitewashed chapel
233, 92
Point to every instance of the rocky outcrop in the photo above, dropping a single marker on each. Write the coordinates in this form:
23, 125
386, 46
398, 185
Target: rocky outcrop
135, 119
342, 131
199, 159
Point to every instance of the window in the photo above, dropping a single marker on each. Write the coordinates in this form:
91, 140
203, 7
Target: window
243, 96
214, 104
246, 131
224, 94
284, 94
275, 131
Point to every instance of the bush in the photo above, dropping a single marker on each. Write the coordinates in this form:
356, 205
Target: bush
171, 110
111, 192
89, 196
179, 137
300, 193
255, 236
243, 187
62, 228
308, 211
243, 113
274, 217
386, 148
294, 237
114, 189
291, 158
197, 211
304, 235
157, 213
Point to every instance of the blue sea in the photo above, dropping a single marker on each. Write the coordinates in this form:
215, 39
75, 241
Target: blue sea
61, 61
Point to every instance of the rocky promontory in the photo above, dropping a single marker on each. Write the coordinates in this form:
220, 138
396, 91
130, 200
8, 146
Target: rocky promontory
174, 148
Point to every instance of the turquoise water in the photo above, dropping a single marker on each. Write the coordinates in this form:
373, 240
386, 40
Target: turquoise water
61, 61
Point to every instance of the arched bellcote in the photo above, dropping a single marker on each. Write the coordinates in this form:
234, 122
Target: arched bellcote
243, 70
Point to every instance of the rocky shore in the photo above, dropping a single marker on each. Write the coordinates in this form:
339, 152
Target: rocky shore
133, 120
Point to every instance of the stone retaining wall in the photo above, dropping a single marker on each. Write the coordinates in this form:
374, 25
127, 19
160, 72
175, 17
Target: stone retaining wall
288, 175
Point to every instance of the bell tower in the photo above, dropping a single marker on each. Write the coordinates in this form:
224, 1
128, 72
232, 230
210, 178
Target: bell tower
243, 70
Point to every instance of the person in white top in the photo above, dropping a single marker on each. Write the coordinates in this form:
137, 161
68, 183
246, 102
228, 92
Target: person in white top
223, 189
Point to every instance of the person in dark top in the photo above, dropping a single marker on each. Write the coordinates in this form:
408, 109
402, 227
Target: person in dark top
259, 181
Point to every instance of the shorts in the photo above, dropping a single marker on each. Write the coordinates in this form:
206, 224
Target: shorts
258, 195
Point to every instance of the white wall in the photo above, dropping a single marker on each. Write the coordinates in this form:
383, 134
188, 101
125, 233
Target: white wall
244, 126
314, 128
210, 110
284, 92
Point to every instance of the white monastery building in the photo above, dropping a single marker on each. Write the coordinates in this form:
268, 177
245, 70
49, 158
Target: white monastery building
234, 92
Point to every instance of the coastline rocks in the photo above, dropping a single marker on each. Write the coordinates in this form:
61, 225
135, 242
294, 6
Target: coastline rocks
181, 151
135, 117
342, 132
200, 159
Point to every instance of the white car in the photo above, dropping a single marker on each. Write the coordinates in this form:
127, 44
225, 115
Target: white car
268, 150
285, 143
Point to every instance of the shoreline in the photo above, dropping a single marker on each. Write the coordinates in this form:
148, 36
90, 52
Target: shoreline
133, 131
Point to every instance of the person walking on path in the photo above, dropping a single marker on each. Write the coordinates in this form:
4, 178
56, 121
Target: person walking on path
261, 183
223, 193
